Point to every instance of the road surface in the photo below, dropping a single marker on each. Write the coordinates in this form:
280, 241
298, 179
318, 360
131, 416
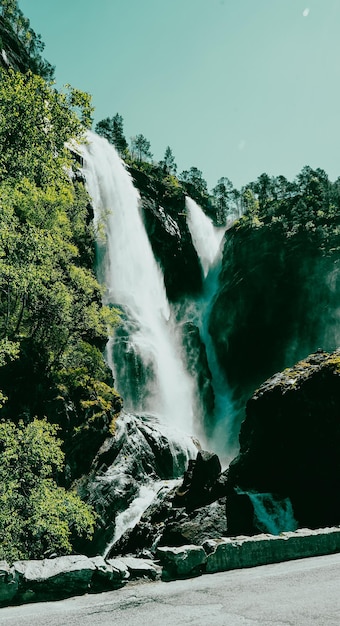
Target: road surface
305, 592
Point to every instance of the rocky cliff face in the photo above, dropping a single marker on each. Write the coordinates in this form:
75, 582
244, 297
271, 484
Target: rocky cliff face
277, 301
165, 221
289, 446
12, 52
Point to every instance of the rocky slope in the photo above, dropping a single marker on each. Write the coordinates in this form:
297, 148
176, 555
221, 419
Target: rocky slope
277, 301
165, 221
289, 446
12, 54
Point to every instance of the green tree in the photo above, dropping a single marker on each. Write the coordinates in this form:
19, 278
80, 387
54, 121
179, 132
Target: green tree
118, 137
141, 148
193, 178
9, 10
49, 298
168, 163
35, 123
112, 128
224, 200
31, 42
104, 129
35, 514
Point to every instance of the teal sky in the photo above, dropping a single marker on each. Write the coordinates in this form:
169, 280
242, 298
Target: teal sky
235, 87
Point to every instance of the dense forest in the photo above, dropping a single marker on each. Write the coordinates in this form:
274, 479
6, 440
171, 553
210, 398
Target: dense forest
54, 383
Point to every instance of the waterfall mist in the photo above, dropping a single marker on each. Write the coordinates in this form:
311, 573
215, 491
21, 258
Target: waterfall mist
145, 353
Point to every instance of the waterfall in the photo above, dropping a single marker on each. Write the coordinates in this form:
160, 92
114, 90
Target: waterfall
206, 237
131, 516
207, 240
272, 515
145, 354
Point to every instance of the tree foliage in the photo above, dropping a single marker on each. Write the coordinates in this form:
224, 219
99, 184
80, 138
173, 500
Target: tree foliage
36, 516
168, 163
36, 121
32, 42
225, 200
141, 148
50, 301
306, 207
112, 128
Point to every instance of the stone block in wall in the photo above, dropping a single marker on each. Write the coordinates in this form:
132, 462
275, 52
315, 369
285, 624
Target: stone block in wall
107, 576
232, 553
182, 562
141, 568
49, 579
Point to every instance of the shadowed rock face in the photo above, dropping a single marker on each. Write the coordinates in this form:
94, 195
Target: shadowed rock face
189, 513
277, 302
289, 445
165, 221
12, 52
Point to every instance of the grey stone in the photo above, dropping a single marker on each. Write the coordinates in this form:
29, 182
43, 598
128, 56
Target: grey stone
120, 567
54, 578
142, 568
182, 562
231, 553
106, 576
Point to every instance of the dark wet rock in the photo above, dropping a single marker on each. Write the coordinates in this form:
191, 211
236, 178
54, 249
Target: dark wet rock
139, 452
277, 302
180, 515
165, 221
198, 367
289, 445
203, 482
12, 52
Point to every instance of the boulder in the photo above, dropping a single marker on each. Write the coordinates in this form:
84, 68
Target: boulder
289, 447
50, 579
140, 450
182, 562
180, 515
202, 483
197, 526
141, 568
107, 575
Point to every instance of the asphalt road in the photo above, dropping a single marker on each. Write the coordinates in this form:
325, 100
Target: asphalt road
295, 593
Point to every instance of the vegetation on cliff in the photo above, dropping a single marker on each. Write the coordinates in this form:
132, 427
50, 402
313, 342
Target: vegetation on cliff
18, 38
279, 284
221, 203
53, 326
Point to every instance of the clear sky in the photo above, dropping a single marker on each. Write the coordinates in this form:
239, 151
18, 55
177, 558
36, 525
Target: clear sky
235, 87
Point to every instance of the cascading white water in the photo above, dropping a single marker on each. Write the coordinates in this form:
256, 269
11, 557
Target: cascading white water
206, 237
134, 282
207, 240
273, 515
130, 517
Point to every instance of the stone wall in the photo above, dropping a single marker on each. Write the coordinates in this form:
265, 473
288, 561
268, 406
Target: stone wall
52, 579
